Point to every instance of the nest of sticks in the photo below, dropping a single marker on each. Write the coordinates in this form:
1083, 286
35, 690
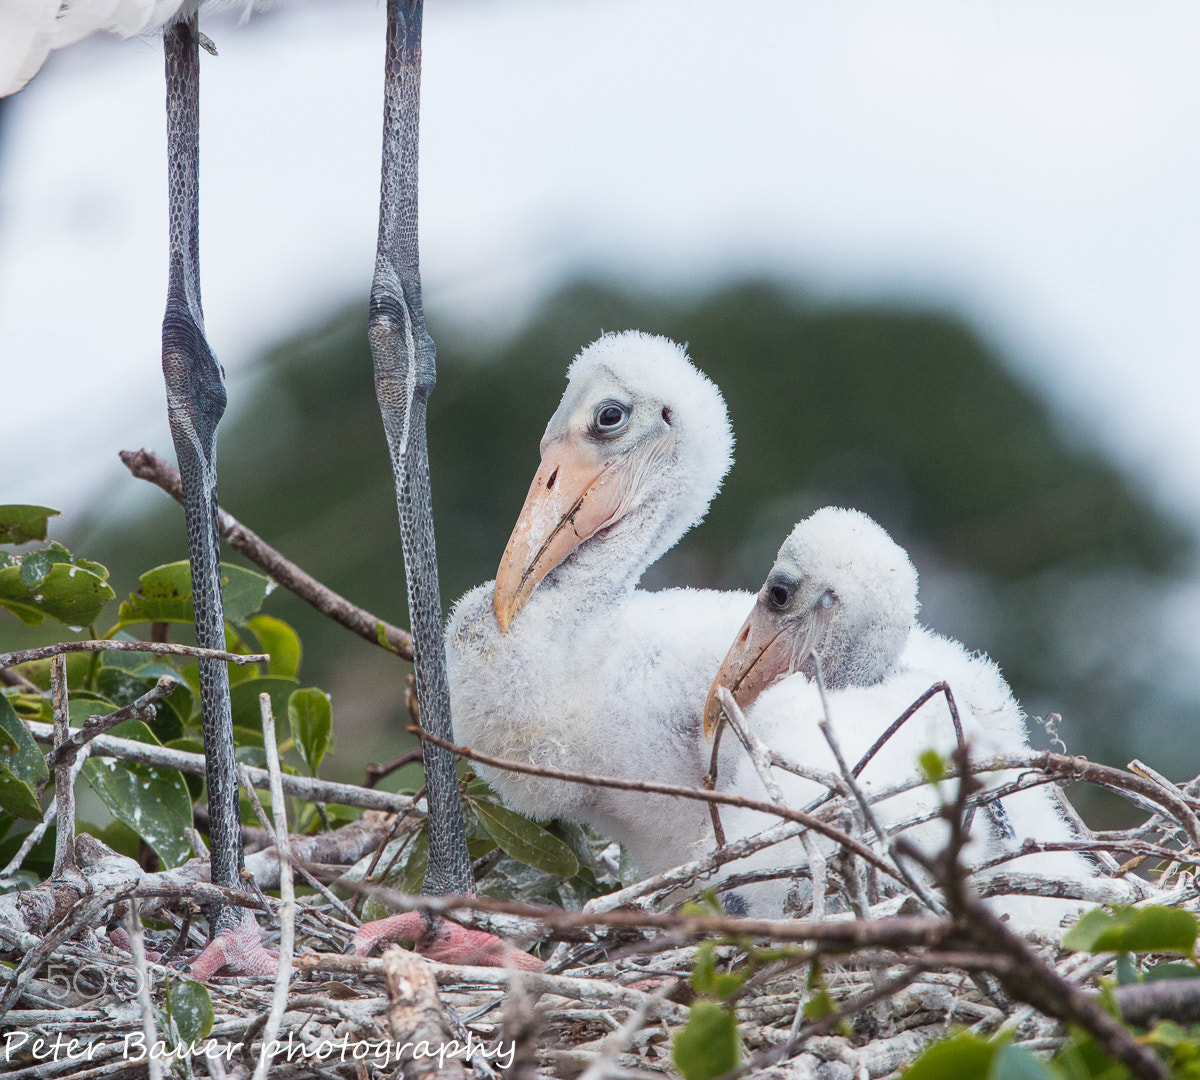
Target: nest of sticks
903, 963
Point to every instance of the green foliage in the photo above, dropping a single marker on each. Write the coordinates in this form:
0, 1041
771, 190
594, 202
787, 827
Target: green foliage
190, 1006
518, 836
166, 595
154, 802
19, 524
933, 766
49, 583
1135, 930
21, 767
310, 718
709, 981
280, 641
247, 712
707, 1045
963, 1057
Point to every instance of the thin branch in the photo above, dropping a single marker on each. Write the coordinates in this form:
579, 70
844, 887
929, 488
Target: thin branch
159, 648
287, 895
620, 784
147, 465
138, 948
896, 931
1021, 971
376, 772
141, 709
309, 789
64, 791
1165, 999
919, 890
35, 835
904, 717
619, 1040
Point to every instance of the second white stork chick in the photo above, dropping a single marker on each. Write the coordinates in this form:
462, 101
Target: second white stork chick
842, 590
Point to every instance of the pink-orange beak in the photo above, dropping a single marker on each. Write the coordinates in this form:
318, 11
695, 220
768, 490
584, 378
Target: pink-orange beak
573, 496
762, 651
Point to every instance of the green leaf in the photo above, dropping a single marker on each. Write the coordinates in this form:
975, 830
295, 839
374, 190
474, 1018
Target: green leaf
1014, 1063
726, 985
192, 1010
705, 969
191, 745
279, 640
525, 840
820, 1005
65, 592
411, 876
35, 566
933, 766
166, 595
27, 762
16, 796
243, 592
1136, 930
154, 802
247, 714
310, 718
964, 1057
20, 523
96, 568
707, 1046
1169, 970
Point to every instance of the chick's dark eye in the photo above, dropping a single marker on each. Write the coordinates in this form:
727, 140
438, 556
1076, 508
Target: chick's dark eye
610, 416
779, 595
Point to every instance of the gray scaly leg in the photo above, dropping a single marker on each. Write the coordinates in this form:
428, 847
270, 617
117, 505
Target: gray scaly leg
404, 376
195, 402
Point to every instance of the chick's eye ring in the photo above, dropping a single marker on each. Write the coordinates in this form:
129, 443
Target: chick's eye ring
611, 416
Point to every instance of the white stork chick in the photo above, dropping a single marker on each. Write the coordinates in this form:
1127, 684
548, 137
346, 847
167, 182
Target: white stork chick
564, 662
842, 590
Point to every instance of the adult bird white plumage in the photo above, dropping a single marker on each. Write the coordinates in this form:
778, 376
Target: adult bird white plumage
31, 29
563, 661
843, 591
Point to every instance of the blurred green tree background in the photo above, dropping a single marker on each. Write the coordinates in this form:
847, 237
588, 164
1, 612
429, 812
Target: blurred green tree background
1031, 545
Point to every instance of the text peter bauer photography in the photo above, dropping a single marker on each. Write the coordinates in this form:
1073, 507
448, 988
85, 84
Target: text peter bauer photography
26, 1045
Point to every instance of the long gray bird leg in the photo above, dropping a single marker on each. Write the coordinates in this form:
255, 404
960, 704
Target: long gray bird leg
195, 403
404, 376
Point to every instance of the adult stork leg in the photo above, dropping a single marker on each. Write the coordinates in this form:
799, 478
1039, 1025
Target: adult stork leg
404, 376
195, 403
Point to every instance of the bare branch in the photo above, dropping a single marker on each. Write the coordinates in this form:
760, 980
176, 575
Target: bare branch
147, 465
159, 648
308, 788
620, 784
141, 709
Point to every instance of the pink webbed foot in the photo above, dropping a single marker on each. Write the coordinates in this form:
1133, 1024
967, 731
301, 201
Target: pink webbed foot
119, 936
236, 952
444, 941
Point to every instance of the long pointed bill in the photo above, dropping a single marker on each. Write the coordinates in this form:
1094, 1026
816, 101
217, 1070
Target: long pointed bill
767, 647
573, 496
